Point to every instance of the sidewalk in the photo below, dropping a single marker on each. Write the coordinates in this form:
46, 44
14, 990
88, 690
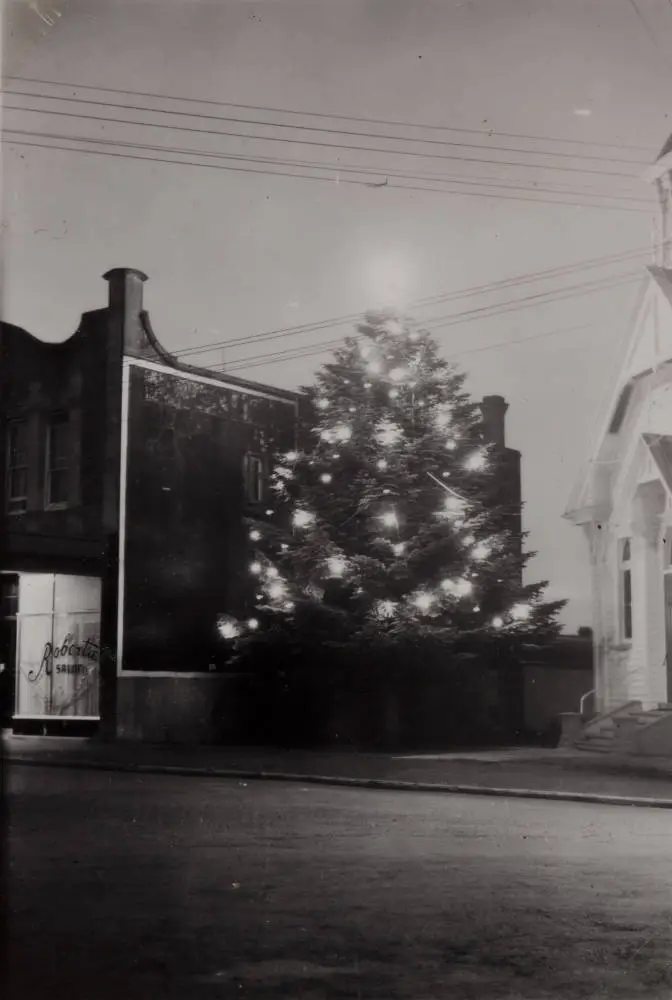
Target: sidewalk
524, 772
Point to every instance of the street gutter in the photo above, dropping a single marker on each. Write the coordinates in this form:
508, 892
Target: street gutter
318, 779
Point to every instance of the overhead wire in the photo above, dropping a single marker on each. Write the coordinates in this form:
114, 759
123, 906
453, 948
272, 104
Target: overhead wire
456, 354
333, 168
328, 115
530, 302
228, 119
324, 145
468, 292
574, 203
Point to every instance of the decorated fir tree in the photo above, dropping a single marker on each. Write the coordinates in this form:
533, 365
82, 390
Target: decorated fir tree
387, 535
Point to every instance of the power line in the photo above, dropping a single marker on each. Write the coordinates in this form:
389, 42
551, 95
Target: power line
474, 350
313, 128
458, 318
327, 145
651, 35
329, 115
337, 168
548, 274
343, 180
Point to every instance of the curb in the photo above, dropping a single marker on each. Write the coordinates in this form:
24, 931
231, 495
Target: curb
319, 779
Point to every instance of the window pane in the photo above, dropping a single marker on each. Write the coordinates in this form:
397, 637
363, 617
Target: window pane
626, 551
58, 486
17, 484
18, 439
627, 604
58, 442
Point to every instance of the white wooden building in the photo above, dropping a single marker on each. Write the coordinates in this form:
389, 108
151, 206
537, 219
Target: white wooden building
623, 503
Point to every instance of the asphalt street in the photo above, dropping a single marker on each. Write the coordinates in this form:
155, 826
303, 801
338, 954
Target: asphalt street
129, 886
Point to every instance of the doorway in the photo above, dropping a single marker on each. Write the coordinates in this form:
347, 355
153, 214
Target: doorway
9, 599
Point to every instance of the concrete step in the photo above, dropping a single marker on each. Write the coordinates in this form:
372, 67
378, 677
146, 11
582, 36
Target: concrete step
589, 745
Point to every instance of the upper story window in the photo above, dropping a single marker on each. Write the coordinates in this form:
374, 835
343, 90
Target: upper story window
56, 492
625, 572
17, 467
254, 480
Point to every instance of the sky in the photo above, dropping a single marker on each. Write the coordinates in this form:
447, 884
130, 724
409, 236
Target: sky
525, 102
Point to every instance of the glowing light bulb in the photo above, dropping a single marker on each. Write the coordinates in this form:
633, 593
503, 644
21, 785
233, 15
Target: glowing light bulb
497, 622
284, 546
480, 551
228, 630
342, 432
398, 374
255, 535
521, 612
367, 385
386, 492
352, 409
393, 393
388, 433
381, 463
276, 589
336, 565
272, 572
469, 539
423, 601
302, 518
326, 477
252, 623
289, 605
399, 548
453, 504
284, 472
385, 608
255, 568
476, 462
322, 404
389, 519
269, 513
476, 609
292, 456
451, 445
443, 416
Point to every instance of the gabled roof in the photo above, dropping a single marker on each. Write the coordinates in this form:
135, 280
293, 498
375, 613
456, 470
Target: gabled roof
649, 348
660, 446
667, 148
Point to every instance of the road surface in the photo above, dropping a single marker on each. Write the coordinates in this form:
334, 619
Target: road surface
125, 886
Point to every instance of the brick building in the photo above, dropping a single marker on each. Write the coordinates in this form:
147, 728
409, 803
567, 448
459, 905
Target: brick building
131, 482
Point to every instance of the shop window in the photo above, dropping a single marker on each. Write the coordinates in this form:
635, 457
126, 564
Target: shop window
58, 459
17, 467
625, 573
253, 470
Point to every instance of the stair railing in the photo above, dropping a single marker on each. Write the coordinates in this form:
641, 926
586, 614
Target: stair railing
584, 699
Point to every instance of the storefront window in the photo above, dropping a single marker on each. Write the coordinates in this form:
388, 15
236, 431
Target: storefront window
58, 646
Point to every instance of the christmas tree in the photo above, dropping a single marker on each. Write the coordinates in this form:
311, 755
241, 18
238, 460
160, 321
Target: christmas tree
386, 534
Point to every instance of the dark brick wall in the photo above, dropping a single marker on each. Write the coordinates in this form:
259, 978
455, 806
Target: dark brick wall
37, 379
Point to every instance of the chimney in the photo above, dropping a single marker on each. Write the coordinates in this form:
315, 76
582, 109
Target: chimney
494, 410
125, 301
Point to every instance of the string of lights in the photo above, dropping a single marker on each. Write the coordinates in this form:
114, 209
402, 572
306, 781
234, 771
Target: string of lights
391, 409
